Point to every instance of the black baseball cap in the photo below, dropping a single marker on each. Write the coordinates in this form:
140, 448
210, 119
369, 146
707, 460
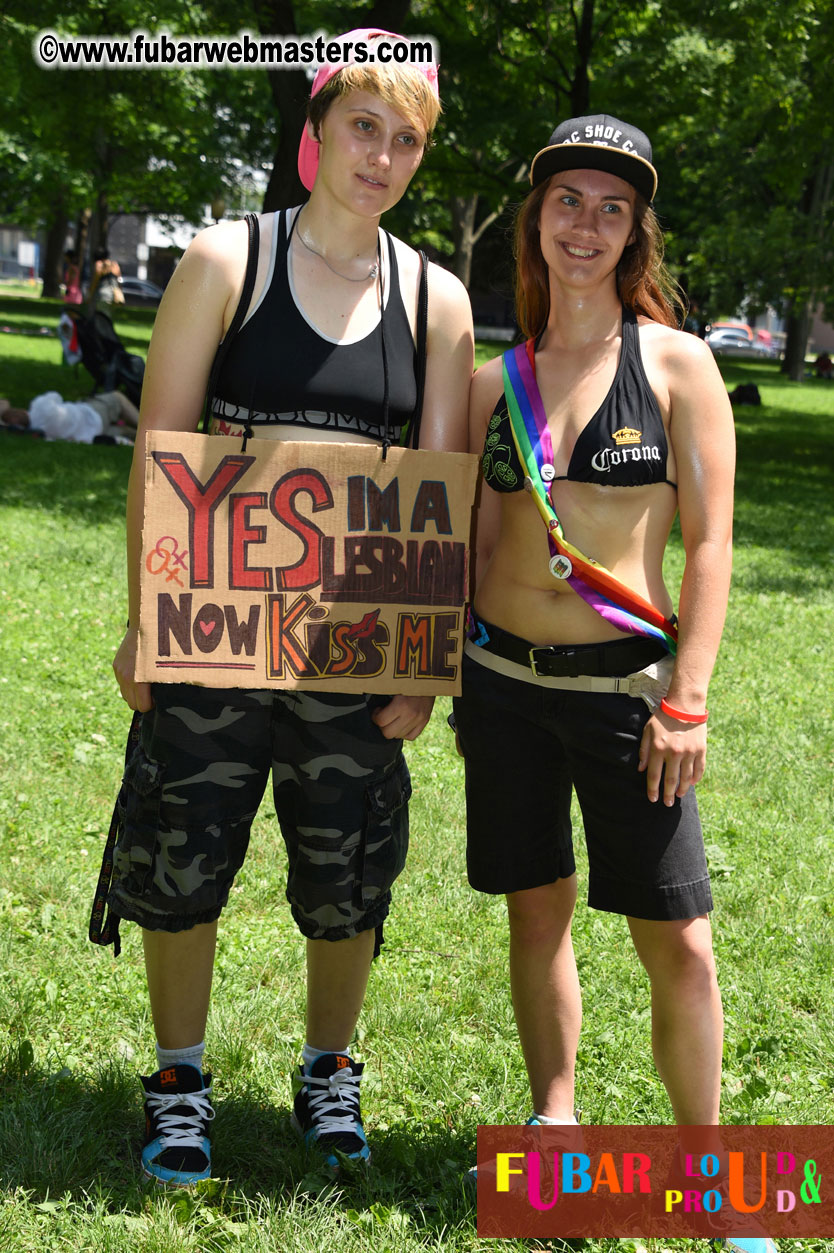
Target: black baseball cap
598, 142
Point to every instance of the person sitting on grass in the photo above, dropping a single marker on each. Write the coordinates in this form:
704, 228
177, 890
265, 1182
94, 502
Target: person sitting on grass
108, 417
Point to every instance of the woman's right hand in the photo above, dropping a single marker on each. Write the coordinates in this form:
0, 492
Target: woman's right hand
137, 695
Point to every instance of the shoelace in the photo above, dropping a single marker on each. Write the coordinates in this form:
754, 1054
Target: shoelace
182, 1129
336, 1107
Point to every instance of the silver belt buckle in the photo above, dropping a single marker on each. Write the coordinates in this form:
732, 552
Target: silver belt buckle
533, 665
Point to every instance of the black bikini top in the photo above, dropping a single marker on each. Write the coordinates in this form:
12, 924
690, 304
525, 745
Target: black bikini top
623, 445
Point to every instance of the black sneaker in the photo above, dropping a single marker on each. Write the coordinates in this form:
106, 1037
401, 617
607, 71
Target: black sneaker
326, 1107
177, 1151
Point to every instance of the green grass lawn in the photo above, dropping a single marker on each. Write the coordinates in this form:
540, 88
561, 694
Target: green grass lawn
437, 1033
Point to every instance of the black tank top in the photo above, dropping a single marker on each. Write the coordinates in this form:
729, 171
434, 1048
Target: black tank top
623, 445
286, 372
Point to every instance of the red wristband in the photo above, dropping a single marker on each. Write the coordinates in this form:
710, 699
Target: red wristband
680, 716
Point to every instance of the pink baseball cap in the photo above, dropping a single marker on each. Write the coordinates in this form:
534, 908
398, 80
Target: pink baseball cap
308, 149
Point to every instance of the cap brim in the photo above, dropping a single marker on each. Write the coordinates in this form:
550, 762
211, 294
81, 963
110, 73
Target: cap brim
630, 167
308, 159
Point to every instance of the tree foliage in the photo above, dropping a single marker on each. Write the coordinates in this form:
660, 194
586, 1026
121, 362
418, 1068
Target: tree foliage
752, 206
118, 141
734, 94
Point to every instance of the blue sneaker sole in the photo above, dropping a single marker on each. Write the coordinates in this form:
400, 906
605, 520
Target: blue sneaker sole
747, 1244
310, 1139
174, 1178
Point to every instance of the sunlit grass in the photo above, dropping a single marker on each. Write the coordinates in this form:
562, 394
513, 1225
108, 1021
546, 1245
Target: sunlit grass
437, 1033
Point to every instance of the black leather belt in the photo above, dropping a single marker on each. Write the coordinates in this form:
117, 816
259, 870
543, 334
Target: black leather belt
615, 658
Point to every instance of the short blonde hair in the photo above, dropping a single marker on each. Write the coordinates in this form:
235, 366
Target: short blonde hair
403, 88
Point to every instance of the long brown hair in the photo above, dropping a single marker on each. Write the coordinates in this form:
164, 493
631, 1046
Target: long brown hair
644, 284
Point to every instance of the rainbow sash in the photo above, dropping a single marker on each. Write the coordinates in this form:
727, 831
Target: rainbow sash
617, 604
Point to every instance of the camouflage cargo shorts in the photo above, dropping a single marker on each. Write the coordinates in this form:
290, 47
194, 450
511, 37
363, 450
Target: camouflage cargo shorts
195, 781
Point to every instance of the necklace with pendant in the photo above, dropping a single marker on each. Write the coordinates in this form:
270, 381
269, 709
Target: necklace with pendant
372, 272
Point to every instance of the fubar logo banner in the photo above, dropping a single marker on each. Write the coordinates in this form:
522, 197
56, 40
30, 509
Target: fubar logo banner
304, 565
573, 1182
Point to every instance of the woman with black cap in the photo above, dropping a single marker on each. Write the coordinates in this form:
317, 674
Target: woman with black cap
326, 351
577, 673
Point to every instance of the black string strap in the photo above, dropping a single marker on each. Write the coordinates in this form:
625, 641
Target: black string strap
240, 313
413, 439
386, 438
105, 930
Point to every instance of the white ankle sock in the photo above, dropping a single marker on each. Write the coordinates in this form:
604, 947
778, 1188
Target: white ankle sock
191, 1056
309, 1054
556, 1122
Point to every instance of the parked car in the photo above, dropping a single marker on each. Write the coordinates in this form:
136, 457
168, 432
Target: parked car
138, 291
742, 327
729, 342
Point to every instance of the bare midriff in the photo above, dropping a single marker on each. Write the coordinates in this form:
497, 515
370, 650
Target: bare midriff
293, 432
624, 529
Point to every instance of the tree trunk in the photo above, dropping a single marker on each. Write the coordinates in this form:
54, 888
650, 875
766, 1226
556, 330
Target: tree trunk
82, 230
580, 88
464, 232
796, 343
463, 209
55, 238
99, 224
815, 199
290, 90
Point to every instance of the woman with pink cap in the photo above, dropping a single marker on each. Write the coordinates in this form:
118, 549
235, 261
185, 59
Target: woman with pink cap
326, 351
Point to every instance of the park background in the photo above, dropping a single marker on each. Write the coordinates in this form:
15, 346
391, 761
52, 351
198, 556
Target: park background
737, 98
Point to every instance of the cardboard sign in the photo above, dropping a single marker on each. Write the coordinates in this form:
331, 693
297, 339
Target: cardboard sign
304, 565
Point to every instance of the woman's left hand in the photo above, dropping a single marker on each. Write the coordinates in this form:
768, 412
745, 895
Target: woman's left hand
676, 751
404, 717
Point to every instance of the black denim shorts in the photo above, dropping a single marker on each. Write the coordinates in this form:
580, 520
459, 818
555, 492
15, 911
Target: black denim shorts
194, 783
525, 747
